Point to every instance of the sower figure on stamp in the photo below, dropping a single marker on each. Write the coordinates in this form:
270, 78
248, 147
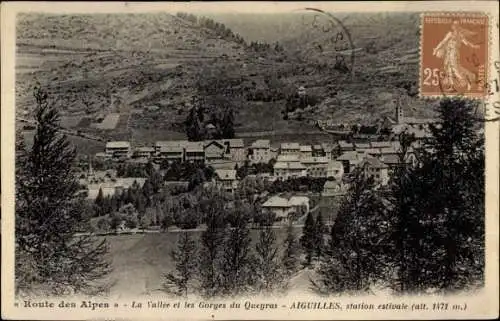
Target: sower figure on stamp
449, 50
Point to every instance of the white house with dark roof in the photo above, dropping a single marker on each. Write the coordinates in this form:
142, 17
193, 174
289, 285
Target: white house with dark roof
194, 152
144, 152
235, 149
282, 207
118, 149
316, 166
306, 151
278, 205
289, 166
373, 167
260, 151
350, 160
215, 151
290, 149
226, 179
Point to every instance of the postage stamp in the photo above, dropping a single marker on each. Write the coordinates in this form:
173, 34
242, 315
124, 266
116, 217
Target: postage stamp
454, 54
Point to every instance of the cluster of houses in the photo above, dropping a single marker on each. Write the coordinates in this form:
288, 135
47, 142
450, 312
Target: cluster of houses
376, 159
291, 160
107, 182
178, 151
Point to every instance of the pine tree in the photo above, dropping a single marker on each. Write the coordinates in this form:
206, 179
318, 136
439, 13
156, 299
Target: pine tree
184, 257
266, 265
319, 235
212, 241
444, 217
237, 259
309, 237
402, 203
359, 247
49, 212
292, 251
228, 124
193, 125
99, 203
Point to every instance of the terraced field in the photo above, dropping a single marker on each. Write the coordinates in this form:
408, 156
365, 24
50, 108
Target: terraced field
91, 64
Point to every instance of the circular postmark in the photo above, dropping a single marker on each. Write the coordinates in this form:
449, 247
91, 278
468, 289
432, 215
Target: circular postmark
492, 106
328, 42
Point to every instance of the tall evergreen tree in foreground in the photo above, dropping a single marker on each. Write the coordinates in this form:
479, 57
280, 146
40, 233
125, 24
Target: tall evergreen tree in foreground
444, 211
308, 239
184, 257
359, 247
425, 232
212, 241
266, 263
319, 241
292, 251
402, 196
48, 214
237, 276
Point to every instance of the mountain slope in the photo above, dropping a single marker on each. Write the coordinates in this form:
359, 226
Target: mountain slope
97, 64
145, 66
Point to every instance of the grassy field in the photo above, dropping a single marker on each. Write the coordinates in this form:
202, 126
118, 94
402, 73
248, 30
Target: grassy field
83, 146
109, 122
140, 261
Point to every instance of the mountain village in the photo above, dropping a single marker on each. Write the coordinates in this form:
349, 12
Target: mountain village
330, 161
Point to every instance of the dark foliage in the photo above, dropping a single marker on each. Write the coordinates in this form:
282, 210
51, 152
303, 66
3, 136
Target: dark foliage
48, 214
309, 239
426, 231
442, 201
184, 257
298, 184
292, 252
267, 271
237, 274
359, 245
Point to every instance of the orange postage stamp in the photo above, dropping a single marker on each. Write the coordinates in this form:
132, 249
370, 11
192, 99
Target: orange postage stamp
454, 54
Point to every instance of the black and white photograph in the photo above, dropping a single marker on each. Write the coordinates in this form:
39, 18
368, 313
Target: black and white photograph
203, 156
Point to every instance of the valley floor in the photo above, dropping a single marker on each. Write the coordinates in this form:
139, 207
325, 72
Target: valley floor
139, 261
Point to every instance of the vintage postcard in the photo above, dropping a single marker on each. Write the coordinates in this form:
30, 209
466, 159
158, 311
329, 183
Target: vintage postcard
250, 160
